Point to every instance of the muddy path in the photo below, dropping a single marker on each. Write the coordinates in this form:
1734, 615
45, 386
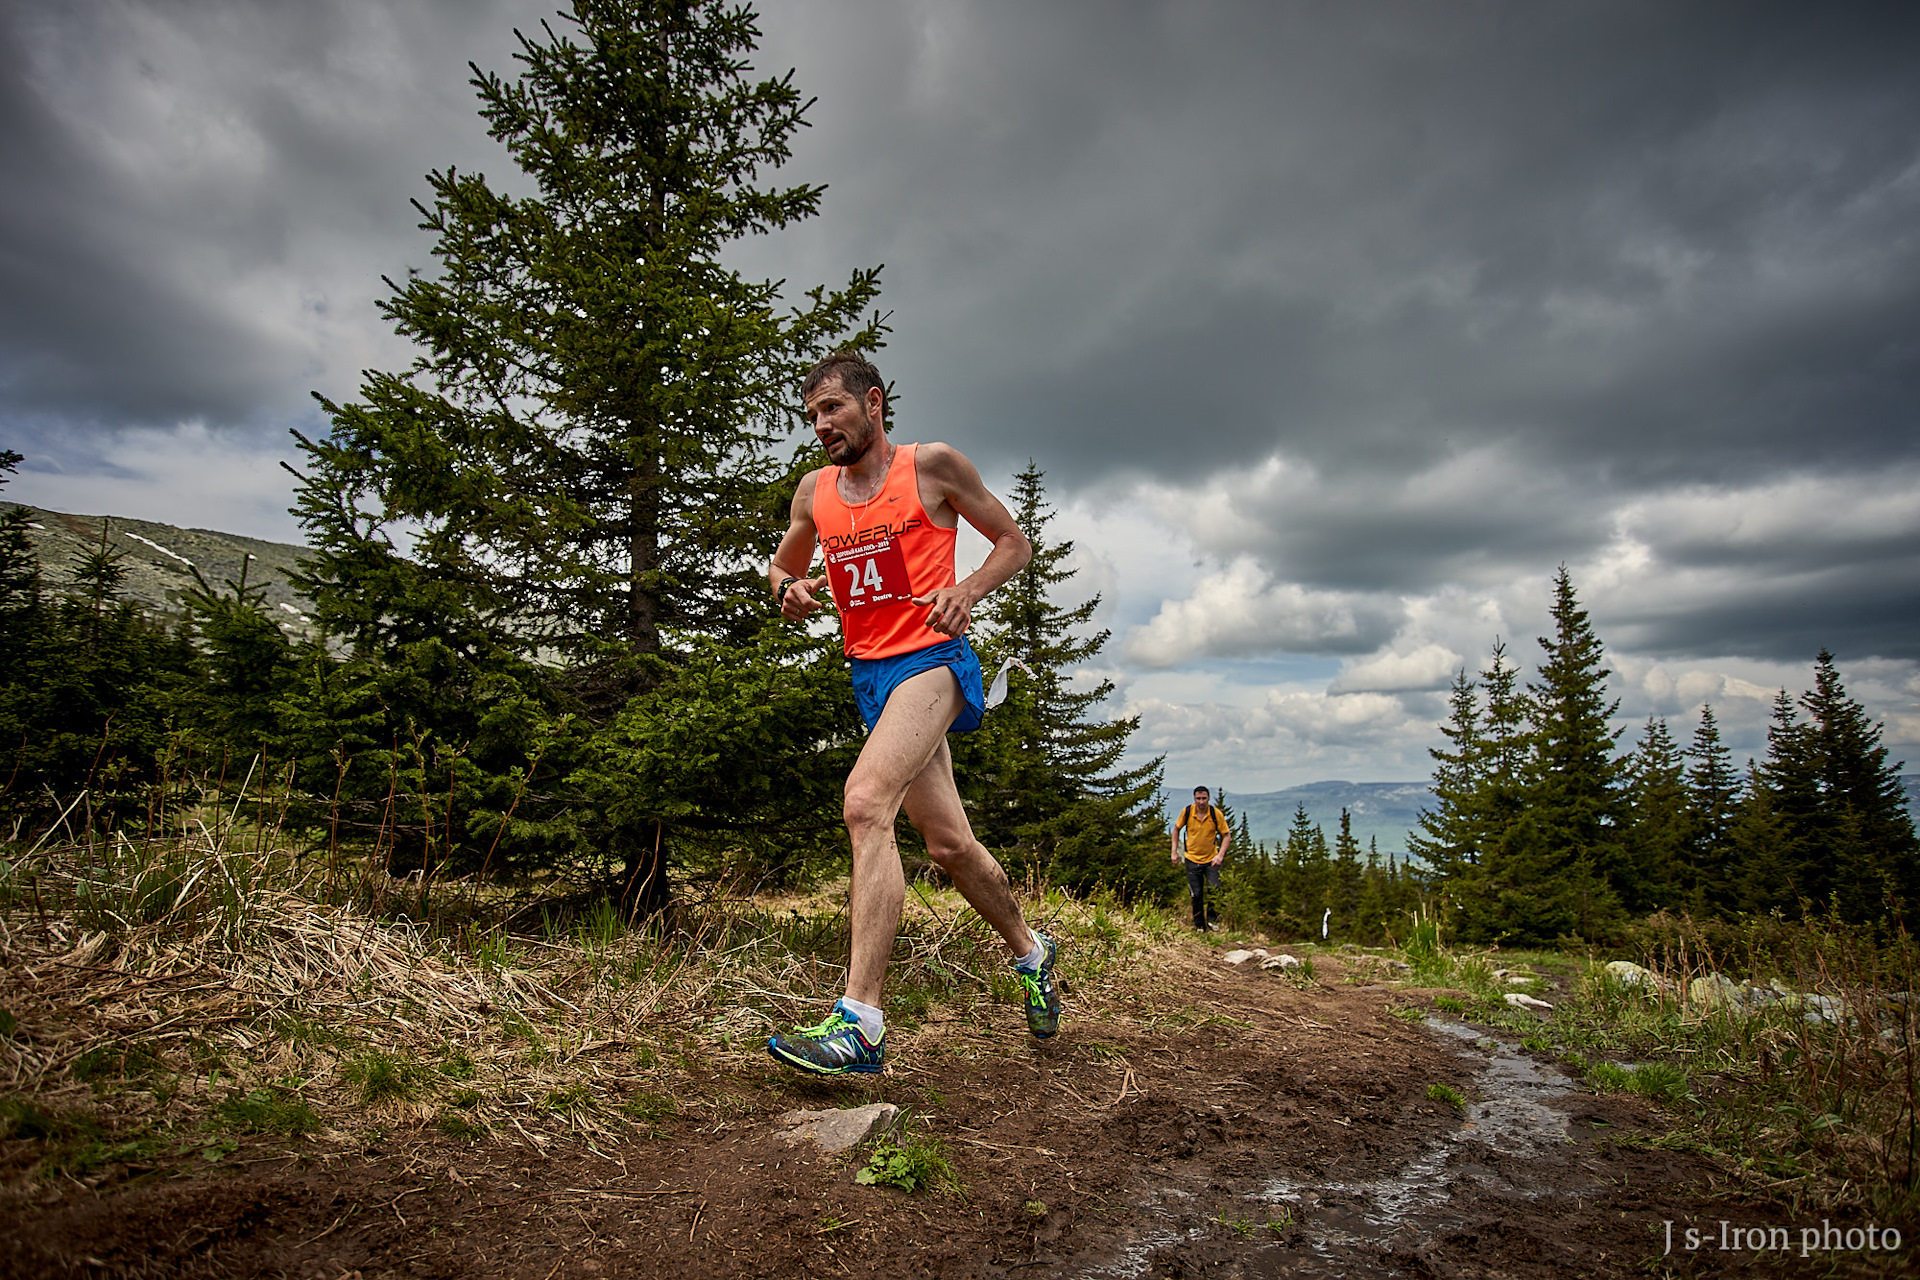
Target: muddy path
1241, 1126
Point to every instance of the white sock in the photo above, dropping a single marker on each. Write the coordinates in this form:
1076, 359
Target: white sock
1031, 960
872, 1021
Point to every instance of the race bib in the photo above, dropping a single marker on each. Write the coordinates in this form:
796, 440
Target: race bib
869, 573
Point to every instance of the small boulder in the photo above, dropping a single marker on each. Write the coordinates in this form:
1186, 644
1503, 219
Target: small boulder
1629, 974
1714, 990
836, 1130
1281, 961
1821, 1009
1240, 956
1520, 1000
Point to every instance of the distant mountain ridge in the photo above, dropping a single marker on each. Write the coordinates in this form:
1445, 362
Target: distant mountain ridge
1386, 811
156, 559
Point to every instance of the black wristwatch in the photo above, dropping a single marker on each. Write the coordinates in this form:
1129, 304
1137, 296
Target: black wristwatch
780, 594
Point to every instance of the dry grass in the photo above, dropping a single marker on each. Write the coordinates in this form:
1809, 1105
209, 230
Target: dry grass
170, 992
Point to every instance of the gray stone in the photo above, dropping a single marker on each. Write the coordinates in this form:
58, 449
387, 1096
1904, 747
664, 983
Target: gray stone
1282, 961
1629, 974
836, 1130
1520, 1000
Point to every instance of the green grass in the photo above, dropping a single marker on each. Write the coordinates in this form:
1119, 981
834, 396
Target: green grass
650, 1108
460, 1127
380, 1078
268, 1110
1447, 1096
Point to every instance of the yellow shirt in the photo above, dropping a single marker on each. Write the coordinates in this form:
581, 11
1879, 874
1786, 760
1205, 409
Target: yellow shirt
1204, 832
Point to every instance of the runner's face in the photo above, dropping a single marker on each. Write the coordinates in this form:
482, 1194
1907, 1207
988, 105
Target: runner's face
845, 424
1200, 799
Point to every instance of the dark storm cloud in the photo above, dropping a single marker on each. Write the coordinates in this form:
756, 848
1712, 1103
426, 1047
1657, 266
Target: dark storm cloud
193, 189
1672, 242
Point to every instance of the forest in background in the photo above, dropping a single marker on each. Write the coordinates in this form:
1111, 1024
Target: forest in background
541, 648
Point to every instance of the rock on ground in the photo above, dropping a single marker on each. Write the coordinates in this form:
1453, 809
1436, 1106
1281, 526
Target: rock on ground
836, 1130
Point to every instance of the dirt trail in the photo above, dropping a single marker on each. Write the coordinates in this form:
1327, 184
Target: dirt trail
1241, 1127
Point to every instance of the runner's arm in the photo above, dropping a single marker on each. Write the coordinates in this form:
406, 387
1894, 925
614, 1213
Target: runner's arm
958, 484
795, 556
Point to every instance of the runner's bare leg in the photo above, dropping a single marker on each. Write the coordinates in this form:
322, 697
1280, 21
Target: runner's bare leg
906, 760
911, 732
934, 808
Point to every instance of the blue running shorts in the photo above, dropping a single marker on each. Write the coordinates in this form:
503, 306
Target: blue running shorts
875, 679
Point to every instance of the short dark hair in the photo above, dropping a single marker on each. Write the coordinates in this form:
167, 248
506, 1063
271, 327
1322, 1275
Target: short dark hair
1198, 790
855, 373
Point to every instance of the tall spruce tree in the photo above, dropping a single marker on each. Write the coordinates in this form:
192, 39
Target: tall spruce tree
1344, 893
1713, 797
1559, 866
561, 505
580, 452
1659, 822
1784, 852
1042, 776
1450, 836
1862, 830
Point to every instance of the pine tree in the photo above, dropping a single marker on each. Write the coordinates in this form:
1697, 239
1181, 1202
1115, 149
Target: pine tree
1863, 832
1659, 822
1786, 788
1560, 866
1713, 798
581, 448
1370, 922
89, 679
1509, 745
1451, 834
561, 506
1294, 873
244, 665
1760, 848
1481, 789
1042, 775
1344, 890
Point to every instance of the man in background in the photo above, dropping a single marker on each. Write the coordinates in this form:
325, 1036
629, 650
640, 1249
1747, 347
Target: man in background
1208, 838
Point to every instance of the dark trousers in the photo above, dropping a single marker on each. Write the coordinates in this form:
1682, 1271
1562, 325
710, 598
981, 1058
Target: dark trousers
1199, 876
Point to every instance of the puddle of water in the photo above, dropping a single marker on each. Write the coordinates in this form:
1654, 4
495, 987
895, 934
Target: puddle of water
1511, 1119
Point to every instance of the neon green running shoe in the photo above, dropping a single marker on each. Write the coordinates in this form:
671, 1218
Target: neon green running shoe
835, 1046
1043, 1002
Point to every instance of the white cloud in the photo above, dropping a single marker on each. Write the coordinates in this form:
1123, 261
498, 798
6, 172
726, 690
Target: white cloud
1431, 666
1241, 612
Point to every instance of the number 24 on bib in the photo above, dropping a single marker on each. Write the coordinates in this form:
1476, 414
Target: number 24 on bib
869, 574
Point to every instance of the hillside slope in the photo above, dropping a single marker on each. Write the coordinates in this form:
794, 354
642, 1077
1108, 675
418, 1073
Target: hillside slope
159, 558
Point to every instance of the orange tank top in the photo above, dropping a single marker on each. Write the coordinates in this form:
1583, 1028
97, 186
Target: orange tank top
881, 554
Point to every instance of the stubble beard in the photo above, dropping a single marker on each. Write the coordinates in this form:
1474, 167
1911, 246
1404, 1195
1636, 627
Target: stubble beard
850, 452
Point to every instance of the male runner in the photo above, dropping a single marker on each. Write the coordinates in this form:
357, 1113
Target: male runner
887, 516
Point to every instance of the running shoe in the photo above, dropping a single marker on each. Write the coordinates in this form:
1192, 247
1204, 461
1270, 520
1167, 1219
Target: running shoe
1043, 1002
835, 1046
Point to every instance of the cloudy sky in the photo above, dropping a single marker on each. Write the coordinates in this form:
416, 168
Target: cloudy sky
1336, 327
